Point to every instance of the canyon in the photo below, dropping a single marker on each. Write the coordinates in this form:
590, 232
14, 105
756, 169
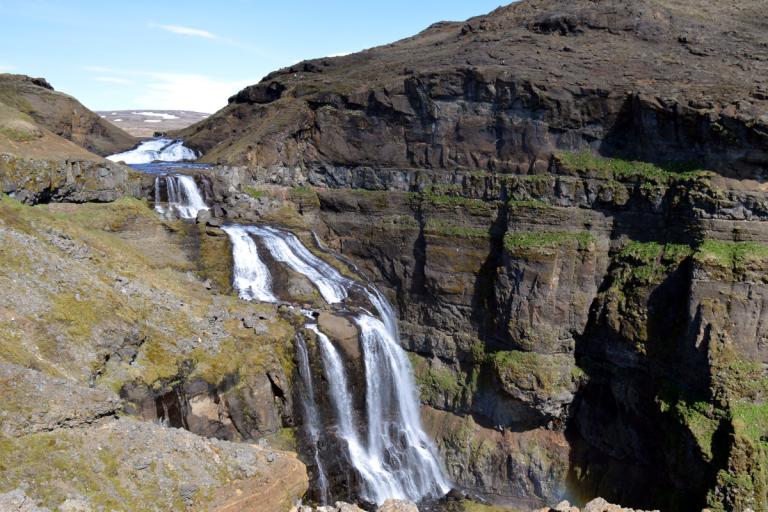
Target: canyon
564, 204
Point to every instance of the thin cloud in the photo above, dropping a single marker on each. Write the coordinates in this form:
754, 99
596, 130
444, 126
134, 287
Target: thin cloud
185, 31
3, 69
175, 91
113, 80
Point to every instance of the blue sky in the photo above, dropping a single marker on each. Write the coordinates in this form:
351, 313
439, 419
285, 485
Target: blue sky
193, 54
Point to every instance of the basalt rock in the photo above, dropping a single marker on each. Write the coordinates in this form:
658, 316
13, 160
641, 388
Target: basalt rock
658, 81
76, 181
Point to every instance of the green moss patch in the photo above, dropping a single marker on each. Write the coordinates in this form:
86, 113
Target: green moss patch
543, 374
624, 170
734, 255
645, 263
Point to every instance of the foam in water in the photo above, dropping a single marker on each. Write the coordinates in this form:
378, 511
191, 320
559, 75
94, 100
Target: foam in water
184, 198
251, 276
156, 150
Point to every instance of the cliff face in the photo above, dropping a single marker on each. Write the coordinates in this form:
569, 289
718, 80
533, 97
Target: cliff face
566, 204
50, 146
593, 329
678, 81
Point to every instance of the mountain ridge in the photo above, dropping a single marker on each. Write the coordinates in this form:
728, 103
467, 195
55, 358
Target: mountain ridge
502, 91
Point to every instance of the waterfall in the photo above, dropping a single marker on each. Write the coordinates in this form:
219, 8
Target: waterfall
285, 247
311, 415
251, 276
394, 425
389, 449
184, 198
156, 150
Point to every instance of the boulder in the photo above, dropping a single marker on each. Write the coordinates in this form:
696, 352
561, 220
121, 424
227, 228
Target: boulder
398, 506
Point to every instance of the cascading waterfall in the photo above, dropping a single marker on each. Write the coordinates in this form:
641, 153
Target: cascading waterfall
395, 433
285, 247
396, 459
184, 198
251, 276
311, 415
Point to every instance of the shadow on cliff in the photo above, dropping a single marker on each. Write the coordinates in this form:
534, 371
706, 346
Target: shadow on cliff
680, 138
626, 425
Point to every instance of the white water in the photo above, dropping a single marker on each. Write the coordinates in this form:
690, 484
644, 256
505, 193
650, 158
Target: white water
285, 247
395, 433
312, 415
396, 459
156, 150
379, 483
184, 198
251, 276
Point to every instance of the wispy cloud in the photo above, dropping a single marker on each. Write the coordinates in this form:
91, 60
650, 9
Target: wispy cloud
113, 80
3, 69
174, 91
185, 31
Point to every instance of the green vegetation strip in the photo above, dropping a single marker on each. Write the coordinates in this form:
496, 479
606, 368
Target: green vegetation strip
439, 227
626, 169
732, 254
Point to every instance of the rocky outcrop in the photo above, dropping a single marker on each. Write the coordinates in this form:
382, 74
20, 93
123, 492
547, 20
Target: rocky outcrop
76, 181
35, 402
132, 465
596, 505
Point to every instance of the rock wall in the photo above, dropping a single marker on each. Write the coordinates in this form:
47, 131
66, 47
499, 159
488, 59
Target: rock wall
559, 324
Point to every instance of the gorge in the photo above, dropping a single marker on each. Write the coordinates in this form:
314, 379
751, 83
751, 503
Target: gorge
521, 258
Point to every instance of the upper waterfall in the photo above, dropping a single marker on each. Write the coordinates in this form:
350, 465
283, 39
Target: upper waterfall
156, 150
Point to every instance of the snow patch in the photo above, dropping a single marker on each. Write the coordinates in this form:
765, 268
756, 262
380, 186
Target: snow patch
156, 114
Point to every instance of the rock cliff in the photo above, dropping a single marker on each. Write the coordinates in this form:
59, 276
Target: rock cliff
565, 201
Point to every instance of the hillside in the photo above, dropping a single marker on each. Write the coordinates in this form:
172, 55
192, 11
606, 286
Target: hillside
651, 79
145, 123
37, 121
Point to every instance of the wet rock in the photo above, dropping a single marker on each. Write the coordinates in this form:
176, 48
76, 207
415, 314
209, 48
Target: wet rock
342, 332
203, 216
